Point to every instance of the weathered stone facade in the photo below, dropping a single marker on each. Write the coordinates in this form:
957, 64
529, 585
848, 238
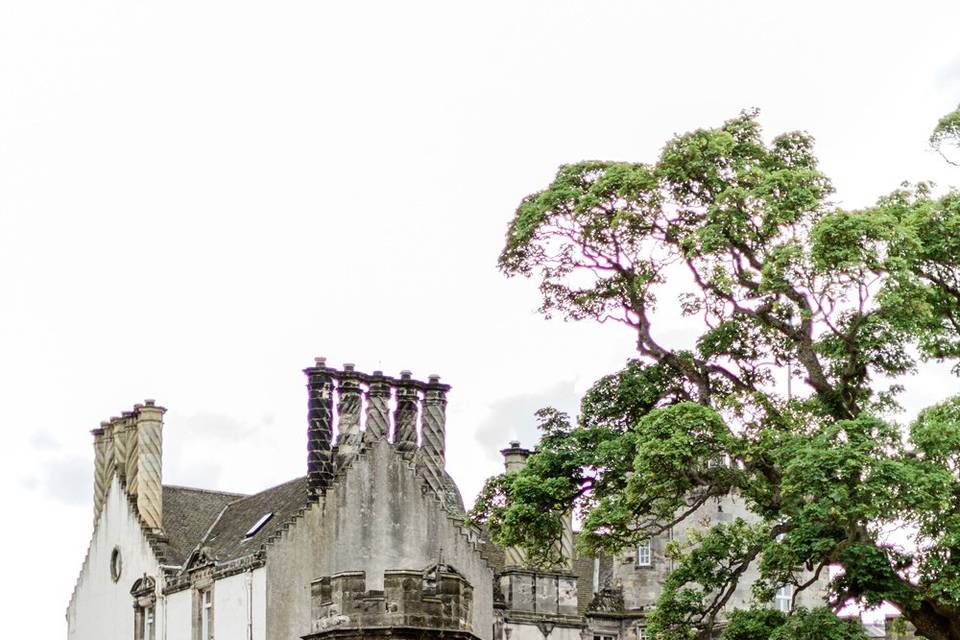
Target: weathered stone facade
371, 542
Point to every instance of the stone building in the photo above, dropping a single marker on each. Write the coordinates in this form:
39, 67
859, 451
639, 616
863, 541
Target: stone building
371, 542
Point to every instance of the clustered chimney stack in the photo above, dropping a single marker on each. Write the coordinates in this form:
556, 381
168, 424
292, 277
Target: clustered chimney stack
326, 454
131, 446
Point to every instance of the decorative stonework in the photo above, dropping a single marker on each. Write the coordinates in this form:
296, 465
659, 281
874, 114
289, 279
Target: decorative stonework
378, 409
433, 433
420, 414
319, 427
433, 602
149, 464
348, 408
607, 600
405, 418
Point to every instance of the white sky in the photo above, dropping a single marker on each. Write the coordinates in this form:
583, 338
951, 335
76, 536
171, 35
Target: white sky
196, 198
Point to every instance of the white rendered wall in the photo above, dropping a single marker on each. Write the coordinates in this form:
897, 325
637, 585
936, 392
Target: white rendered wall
178, 620
237, 601
532, 632
100, 608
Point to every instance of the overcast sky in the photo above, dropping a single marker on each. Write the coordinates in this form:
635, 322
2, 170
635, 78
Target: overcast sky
196, 198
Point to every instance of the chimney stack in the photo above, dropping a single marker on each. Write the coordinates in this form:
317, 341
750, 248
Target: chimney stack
405, 417
120, 448
102, 466
319, 427
129, 422
378, 408
433, 431
148, 475
514, 456
348, 419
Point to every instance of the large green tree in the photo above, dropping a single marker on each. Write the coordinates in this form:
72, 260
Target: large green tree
741, 232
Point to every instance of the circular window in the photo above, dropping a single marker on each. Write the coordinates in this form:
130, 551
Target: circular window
116, 564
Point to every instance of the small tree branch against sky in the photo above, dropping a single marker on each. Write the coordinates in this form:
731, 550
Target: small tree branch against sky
852, 300
947, 133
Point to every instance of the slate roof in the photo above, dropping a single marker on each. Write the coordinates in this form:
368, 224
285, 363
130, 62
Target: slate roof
226, 540
187, 516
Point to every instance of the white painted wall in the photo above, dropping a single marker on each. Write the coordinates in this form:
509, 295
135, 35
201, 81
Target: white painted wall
238, 600
179, 611
100, 608
532, 632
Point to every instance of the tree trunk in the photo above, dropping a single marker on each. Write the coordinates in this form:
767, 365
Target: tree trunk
932, 624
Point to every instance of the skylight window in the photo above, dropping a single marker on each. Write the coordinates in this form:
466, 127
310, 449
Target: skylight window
258, 525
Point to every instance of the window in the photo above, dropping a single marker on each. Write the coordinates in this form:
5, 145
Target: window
144, 609
116, 564
643, 554
257, 525
783, 600
146, 623
206, 615
599, 637
642, 633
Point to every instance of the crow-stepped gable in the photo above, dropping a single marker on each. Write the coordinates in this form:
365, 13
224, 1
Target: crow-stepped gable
371, 542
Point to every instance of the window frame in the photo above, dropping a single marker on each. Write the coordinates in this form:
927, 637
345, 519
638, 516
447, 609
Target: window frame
783, 598
644, 560
206, 614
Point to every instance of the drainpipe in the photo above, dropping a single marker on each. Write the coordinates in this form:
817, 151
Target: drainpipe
250, 604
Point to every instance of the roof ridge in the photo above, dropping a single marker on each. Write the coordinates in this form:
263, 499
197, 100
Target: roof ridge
262, 491
210, 491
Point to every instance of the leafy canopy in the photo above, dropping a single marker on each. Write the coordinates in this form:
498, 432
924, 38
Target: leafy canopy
741, 232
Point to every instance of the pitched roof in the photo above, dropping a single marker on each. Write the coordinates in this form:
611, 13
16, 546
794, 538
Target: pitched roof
227, 539
187, 516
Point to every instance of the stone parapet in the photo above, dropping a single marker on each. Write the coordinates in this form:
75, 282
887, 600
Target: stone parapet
433, 602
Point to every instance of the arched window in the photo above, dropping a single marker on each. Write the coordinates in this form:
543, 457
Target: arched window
144, 592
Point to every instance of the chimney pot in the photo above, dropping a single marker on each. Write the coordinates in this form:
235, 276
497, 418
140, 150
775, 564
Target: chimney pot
378, 373
434, 378
137, 407
348, 366
149, 402
320, 361
514, 444
406, 374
